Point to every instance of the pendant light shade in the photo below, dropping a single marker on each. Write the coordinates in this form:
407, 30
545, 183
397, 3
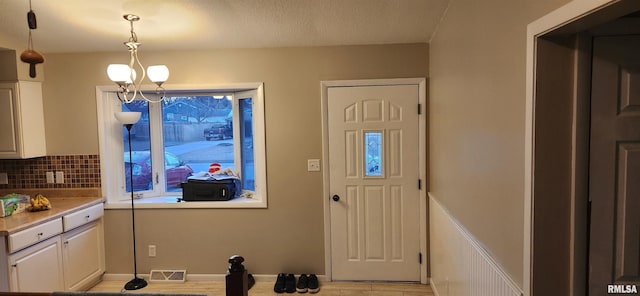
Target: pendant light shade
158, 73
120, 73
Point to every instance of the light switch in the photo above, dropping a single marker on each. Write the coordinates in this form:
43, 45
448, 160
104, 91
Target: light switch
4, 179
313, 165
59, 177
50, 179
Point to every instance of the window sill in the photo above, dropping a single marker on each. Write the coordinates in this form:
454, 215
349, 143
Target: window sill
171, 202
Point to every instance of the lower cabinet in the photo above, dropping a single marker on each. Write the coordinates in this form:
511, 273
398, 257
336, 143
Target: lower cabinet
83, 260
65, 254
37, 268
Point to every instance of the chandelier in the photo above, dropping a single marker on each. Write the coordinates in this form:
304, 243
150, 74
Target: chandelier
125, 75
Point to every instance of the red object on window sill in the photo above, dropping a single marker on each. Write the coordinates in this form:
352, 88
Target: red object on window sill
214, 167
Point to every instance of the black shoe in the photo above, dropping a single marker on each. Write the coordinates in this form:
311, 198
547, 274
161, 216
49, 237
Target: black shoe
303, 284
250, 281
280, 283
313, 284
290, 283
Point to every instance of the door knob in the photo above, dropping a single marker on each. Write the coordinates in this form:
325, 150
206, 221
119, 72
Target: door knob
335, 197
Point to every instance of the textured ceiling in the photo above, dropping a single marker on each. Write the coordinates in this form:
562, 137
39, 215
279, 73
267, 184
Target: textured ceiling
97, 25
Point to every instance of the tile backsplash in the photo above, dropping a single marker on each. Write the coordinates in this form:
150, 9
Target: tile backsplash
80, 171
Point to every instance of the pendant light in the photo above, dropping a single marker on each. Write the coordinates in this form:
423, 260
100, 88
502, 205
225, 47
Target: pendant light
125, 75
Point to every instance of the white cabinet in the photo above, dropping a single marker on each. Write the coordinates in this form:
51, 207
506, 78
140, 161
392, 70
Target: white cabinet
66, 253
27, 237
21, 120
83, 255
82, 217
37, 268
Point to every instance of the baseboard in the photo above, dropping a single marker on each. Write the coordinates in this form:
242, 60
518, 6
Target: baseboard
434, 289
199, 277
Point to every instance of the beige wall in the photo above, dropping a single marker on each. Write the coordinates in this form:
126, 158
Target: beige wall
7, 42
476, 127
9, 69
286, 237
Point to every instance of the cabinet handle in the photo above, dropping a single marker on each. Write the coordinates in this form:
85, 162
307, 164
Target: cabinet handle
66, 243
40, 235
14, 265
87, 216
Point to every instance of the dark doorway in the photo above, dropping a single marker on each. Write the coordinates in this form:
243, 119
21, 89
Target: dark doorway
586, 154
614, 170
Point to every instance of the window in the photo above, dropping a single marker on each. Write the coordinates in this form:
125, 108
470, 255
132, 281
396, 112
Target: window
373, 153
246, 142
190, 132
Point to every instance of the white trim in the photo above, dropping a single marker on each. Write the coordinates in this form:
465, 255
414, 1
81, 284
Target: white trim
422, 147
557, 18
170, 202
105, 132
199, 277
462, 264
422, 122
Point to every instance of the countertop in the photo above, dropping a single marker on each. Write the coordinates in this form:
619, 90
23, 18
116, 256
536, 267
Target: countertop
60, 206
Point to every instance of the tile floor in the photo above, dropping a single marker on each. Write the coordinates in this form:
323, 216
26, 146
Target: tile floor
265, 288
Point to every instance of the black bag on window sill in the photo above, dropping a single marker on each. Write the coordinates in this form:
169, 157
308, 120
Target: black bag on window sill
210, 189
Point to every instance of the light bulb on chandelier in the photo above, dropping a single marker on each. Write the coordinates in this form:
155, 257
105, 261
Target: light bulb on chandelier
125, 76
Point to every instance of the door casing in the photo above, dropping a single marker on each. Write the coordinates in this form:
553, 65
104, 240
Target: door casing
544, 54
422, 100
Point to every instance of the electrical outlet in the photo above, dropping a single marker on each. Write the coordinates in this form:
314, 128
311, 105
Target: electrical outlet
50, 179
152, 250
313, 165
59, 177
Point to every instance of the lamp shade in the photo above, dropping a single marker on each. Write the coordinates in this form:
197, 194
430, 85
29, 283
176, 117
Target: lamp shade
127, 117
120, 73
158, 73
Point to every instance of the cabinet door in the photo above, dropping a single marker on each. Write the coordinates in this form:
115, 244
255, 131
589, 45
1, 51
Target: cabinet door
83, 257
31, 116
37, 268
22, 133
8, 143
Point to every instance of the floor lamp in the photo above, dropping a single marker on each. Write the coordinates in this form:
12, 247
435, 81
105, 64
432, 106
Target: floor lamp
128, 119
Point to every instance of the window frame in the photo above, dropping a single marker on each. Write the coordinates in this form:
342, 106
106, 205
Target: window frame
111, 148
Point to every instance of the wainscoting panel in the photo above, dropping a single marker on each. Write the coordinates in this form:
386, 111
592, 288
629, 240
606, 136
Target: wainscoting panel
459, 265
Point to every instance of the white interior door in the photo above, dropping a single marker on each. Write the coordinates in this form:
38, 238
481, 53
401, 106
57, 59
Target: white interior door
374, 173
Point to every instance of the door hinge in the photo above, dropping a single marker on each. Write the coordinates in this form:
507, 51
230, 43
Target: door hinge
419, 184
420, 257
419, 109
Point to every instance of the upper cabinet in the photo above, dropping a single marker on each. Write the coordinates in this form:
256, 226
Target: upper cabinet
21, 120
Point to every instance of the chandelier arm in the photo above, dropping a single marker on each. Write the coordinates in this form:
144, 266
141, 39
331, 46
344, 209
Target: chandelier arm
126, 98
124, 90
144, 72
119, 98
131, 74
138, 86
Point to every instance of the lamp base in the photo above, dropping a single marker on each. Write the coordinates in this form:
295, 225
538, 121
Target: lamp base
135, 284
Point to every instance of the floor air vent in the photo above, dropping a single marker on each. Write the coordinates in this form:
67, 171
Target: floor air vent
172, 276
